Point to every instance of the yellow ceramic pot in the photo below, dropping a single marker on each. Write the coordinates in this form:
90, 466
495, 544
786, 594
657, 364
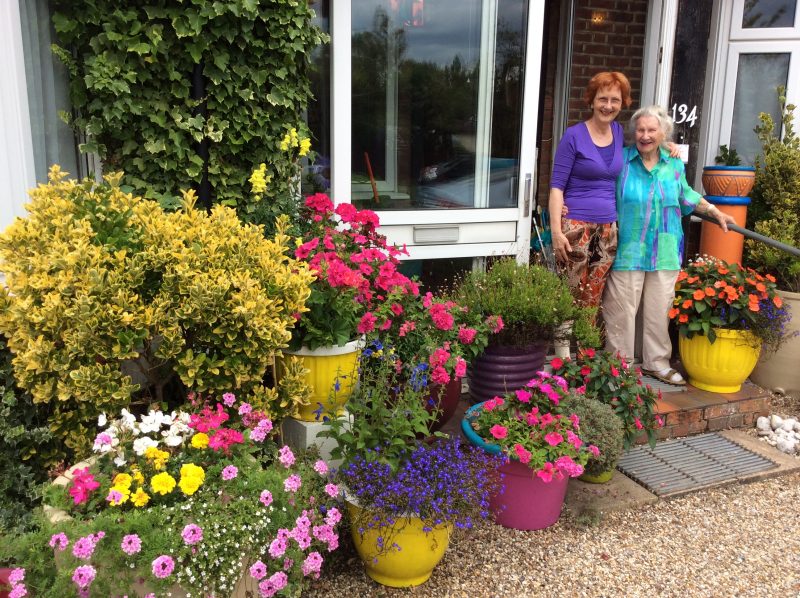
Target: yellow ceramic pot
723, 365
326, 367
419, 552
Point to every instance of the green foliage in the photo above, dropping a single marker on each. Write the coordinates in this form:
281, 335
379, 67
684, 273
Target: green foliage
103, 286
532, 301
386, 413
602, 376
727, 157
775, 209
599, 426
131, 67
26, 448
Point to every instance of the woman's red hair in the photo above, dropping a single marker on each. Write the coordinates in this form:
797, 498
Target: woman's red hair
608, 79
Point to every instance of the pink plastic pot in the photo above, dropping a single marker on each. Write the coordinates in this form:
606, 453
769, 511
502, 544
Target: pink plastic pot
525, 501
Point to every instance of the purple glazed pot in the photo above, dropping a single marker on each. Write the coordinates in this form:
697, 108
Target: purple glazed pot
499, 370
524, 502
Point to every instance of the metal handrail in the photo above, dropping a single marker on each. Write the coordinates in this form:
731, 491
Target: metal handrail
752, 235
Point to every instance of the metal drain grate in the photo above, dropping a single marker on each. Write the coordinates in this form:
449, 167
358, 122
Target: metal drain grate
662, 386
679, 466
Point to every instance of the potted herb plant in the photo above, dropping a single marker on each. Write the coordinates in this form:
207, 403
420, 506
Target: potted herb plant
541, 445
608, 378
532, 304
725, 314
433, 338
196, 501
405, 496
776, 214
355, 269
727, 177
599, 426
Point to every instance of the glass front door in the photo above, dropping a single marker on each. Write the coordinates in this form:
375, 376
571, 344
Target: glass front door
442, 125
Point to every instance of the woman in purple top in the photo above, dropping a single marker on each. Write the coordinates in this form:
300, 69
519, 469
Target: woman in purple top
585, 169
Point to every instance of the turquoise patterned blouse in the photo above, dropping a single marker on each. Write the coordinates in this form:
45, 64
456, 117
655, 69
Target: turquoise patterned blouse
649, 209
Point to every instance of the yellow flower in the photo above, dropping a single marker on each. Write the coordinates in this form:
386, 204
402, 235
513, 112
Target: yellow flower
192, 477
123, 480
123, 492
137, 475
150, 453
258, 180
162, 483
158, 457
200, 440
293, 134
285, 143
140, 498
305, 145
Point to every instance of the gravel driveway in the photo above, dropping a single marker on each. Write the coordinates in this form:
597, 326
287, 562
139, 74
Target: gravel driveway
740, 540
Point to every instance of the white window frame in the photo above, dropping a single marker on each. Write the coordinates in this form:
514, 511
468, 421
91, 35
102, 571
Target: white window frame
728, 42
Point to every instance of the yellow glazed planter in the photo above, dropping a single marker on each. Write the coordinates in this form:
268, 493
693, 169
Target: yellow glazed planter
722, 366
326, 366
419, 552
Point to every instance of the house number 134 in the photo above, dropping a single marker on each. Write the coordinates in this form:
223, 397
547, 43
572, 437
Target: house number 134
682, 114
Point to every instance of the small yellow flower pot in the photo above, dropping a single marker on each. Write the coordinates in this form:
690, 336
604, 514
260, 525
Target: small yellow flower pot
418, 554
723, 366
326, 367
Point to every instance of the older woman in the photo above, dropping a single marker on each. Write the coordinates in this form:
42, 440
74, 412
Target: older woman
652, 194
585, 168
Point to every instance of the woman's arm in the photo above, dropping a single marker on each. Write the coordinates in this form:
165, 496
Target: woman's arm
561, 246
710, 209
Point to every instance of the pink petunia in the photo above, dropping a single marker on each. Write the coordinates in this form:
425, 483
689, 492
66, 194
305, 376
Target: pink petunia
367, 323
131, 544
553, 438
556, 363
230, 472
523, 454
163, 566
466, 335
498, 431
546, 473
286, 456
461, 368
83, 576
258, 570
594, 450
439, 375
192, 534
523, 396
265, 498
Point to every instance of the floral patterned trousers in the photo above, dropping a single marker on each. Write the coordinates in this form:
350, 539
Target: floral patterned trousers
594, 247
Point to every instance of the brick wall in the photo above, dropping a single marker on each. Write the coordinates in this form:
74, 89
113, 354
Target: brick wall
608, 36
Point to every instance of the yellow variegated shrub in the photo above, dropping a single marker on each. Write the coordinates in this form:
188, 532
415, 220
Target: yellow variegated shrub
110, 298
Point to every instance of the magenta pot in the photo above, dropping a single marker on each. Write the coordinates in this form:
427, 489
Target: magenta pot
500, 369
524, 501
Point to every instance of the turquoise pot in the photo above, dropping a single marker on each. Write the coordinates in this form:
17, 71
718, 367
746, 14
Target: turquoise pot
467, 430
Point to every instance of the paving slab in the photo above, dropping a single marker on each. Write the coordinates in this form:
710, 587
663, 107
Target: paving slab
619, 494
786, 463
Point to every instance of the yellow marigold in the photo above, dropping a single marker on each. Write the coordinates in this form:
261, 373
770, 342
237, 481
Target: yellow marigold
305, 145
137, 475
123, 480
192, 477
200, 440
140, 498
162, 483
150, 453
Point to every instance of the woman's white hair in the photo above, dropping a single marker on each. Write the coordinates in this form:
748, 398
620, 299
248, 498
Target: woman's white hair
665, 121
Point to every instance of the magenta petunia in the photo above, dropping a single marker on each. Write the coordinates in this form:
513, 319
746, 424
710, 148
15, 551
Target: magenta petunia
258, 570
553, 438
83, 576
230, 472
131, 544
498, 431
192, 534
163, 566
265, 498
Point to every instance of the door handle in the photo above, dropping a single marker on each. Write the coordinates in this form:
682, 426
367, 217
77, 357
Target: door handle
526, 205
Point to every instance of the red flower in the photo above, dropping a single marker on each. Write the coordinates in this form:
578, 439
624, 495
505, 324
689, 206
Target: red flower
367, 323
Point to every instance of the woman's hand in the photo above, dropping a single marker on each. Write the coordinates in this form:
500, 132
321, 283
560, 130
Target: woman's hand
561, 246
722, 219
673, 149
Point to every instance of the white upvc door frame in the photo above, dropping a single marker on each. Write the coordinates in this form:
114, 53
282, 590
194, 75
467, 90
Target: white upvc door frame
662, 22
402, 226
17, 166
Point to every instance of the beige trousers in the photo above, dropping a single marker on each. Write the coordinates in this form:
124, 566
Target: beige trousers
625, 290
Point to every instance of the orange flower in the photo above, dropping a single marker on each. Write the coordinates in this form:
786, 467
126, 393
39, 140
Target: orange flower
683, 319
682, 275
760, 287
770, 278
687, 304
723, 270
777, 301
710, 292
698, 294
693, 279
673, 312
720, 283
752, 298
753, 307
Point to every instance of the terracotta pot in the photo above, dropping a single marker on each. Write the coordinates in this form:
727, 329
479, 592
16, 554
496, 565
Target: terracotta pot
714, 241
499, 370
728, 180
779, 370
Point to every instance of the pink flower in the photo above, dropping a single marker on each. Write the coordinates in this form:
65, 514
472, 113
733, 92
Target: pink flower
267, 589
546, 473
523, 454
586, 370
442, 319
659, 421
279, 580
258, 570
59, 541
439, 375
277, 547
84, 547
638, 423
292, 483
531, 419
305, 249
498, 431
427, 300
589, 352
16, 576
131, 544
321, 467
163, 566
553, 438
245, 408
319, 202
614, 372
495, 323
346, 211
566, 464
556, 363
406, 327
546, 420
594, 450
367, 323
581, 390
229, 399
466, 335
332, 490
83, 576
286, 456
230, 472
523, 396
83, 483
461, 367
576, 421
333, 516
18, 591
192, 534
312, 564
574, 439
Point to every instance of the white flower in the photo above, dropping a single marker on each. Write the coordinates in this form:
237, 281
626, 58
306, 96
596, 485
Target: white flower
172, 440
140, 445
151, 422
128, 421
102, 420
120, 461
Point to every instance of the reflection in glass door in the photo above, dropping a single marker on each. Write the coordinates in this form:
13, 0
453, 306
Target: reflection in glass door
437, 95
